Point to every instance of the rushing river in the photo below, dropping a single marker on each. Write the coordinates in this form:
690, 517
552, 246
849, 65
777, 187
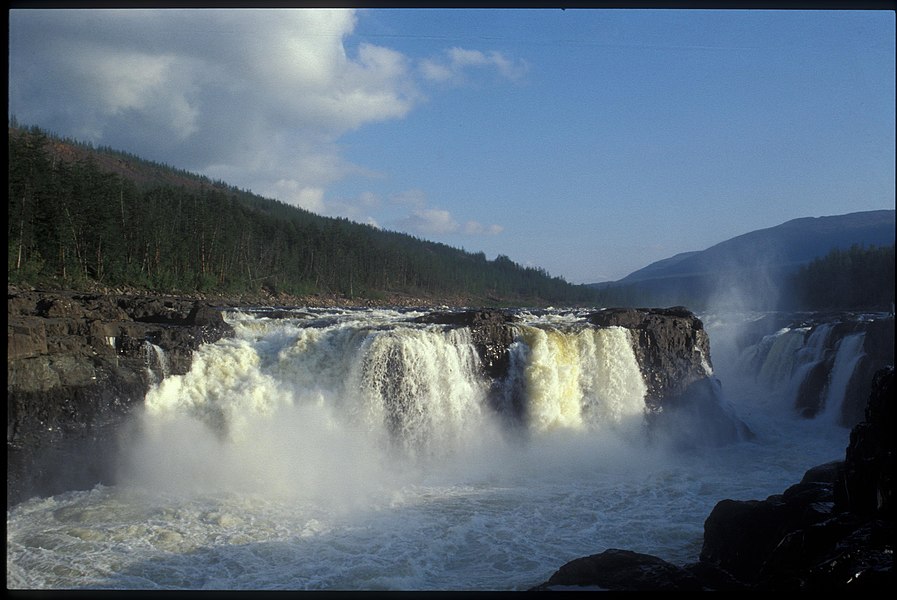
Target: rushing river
354, 450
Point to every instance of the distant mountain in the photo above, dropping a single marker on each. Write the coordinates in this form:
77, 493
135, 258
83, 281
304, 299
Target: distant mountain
749, 270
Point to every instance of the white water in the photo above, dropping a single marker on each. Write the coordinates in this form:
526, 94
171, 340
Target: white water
847, 355
355, 452
157, 367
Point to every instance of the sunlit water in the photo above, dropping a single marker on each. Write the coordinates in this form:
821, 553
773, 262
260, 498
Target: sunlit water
354, 452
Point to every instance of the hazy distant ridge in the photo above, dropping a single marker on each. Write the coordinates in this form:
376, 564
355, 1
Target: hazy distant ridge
753, 266
790, 244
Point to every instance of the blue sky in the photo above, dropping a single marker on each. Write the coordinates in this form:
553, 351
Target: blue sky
586, 142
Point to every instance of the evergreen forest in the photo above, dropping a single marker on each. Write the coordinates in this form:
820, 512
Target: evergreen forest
855, 278
82, 217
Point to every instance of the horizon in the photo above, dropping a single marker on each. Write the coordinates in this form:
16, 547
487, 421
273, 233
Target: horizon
707, 124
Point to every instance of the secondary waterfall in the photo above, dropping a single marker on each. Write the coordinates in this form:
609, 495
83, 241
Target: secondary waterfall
157, 367
847, 355
807, 368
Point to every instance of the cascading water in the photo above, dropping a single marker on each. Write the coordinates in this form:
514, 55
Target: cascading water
807, 369
157, 367
806, 358
357, 450
847, 355
585, 378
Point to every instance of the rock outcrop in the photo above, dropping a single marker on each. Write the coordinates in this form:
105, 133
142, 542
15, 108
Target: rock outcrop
671, 345
77, 364
491, 332
683, 397
832, 531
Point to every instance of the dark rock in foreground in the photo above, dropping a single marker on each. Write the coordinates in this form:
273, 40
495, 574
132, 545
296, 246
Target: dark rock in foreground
621, 570
833, 531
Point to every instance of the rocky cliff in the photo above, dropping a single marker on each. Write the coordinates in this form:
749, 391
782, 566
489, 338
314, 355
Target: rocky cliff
77, 365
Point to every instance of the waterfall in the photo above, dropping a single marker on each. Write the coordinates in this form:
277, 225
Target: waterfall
807, 357
422, 388
582, 379
847, 355
156, 362
777, 364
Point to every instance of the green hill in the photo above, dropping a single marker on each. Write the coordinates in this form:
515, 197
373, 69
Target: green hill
81, 217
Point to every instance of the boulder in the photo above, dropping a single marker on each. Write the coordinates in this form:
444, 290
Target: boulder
621, 570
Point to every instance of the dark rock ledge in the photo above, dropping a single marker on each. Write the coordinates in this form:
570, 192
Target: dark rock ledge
77, 365
832, 531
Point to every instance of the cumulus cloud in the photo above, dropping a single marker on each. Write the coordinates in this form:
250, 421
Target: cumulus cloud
426, 220
256, 98
247, 94
456, 63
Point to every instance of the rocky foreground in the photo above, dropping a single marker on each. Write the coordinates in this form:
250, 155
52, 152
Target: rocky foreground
832, 531
77, 364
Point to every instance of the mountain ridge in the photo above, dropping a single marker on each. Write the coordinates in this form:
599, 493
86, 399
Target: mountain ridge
863, 227
755, 266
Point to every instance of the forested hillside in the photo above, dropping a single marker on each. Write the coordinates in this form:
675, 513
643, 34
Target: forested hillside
855, 278
79, 216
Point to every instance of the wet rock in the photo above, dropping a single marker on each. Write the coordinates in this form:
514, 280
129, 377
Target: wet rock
671, 346
491, 333
621, 570
76, 368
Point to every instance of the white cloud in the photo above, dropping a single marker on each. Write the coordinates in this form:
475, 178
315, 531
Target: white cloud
252, 95
477, 228
426, 220
256, 98
292, 192
429, 221
455, 64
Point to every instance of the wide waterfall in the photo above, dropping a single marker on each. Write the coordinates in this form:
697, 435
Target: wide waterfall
364, 450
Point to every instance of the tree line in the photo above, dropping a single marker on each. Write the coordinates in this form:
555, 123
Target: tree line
846, 279
72, 223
